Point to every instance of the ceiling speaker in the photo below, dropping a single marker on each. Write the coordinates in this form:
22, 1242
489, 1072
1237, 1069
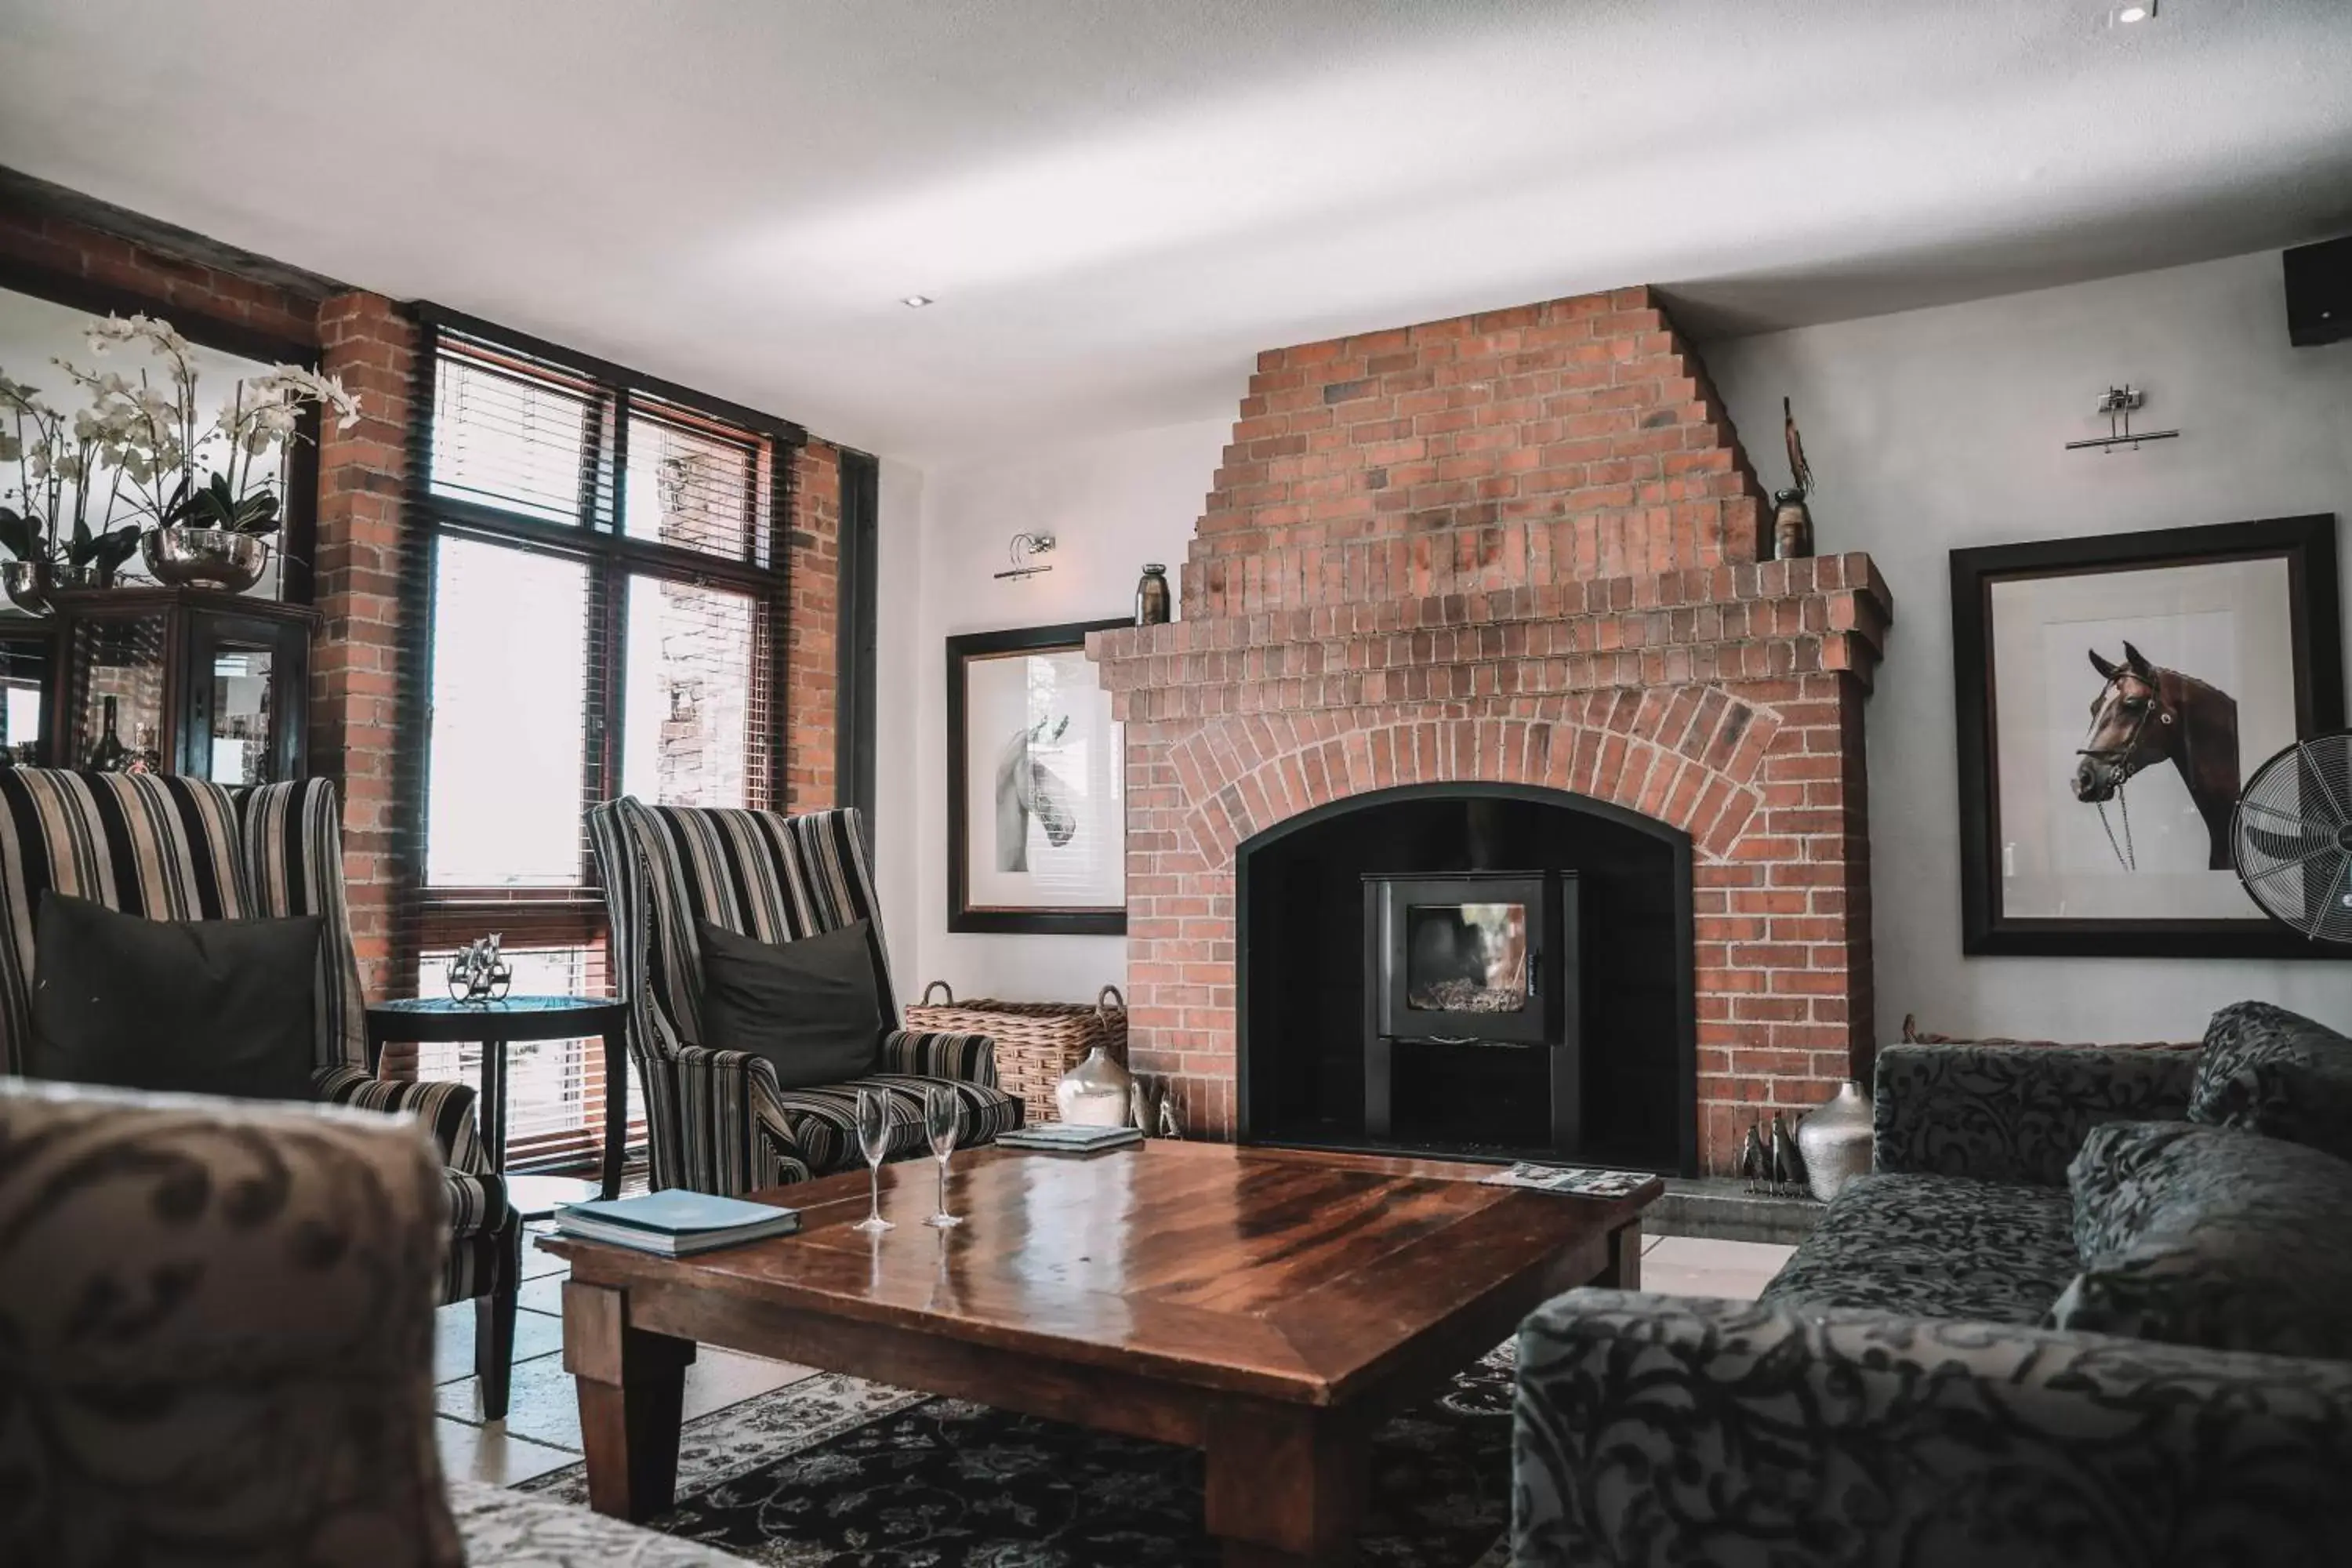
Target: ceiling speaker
2319, 292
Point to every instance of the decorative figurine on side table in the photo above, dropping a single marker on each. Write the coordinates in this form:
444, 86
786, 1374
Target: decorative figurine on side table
476, 972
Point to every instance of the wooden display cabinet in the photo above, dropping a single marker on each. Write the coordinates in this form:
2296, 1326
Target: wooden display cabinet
206, 684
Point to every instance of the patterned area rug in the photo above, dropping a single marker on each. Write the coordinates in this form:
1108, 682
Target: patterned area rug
834, 1472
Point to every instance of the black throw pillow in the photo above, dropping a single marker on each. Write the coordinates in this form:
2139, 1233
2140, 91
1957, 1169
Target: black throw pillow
174, 1006
809, 1007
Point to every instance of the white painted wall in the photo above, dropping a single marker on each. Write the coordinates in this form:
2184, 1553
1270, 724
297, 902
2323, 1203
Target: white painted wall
898, 645
1929, 430
1943, 428
1112, 504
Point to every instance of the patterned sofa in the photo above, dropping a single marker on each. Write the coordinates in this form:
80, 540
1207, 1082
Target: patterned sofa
1896, 1396
216, 1346
717, 1122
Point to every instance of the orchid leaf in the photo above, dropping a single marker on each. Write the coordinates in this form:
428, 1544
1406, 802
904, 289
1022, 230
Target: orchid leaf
257, 514
110, 550
20, 534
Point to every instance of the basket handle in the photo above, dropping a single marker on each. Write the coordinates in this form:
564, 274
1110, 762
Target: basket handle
1117, 1001
938, 986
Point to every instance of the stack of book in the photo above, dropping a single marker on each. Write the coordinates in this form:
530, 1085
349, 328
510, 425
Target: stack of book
675, 1223
1062, 1138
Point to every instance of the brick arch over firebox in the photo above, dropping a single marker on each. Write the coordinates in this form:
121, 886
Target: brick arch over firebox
1687, 756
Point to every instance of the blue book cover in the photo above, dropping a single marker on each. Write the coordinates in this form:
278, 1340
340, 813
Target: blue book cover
674, 1211
1067, 1132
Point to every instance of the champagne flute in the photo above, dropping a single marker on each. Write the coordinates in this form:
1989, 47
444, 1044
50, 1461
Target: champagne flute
940, 1121
873, 1137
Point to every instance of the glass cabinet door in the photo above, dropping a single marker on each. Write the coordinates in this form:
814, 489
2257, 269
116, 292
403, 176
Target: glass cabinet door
244, 737
116, 713
246, 694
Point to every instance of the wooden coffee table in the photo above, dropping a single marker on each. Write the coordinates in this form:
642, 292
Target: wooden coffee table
1270, 1306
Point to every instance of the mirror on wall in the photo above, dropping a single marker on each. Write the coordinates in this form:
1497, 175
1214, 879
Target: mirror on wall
35, 334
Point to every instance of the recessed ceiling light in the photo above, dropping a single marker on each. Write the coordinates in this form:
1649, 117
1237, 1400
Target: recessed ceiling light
916, 301
2139, 11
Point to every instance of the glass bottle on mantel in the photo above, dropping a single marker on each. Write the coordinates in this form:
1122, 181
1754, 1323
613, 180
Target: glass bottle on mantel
109, 755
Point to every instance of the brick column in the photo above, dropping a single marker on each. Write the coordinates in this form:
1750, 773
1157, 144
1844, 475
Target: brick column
355, 695
811, 689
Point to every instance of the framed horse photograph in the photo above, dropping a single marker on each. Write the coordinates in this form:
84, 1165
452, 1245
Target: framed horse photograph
1036, 786
2114, 695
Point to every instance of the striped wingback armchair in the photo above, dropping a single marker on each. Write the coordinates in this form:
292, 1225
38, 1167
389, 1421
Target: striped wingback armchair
717, 1121
184, 849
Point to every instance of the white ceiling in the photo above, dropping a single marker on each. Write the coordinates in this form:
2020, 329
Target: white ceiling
1116, 202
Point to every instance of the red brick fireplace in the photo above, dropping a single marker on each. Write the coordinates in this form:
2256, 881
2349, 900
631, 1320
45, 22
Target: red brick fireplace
1518, 549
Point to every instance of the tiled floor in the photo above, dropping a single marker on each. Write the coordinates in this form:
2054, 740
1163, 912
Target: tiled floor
541, 1431
1689, 1266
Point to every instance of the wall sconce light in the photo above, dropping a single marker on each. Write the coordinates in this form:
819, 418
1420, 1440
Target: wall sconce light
1024, 547
2118, 403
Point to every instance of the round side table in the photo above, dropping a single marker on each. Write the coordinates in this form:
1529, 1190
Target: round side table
441, 1020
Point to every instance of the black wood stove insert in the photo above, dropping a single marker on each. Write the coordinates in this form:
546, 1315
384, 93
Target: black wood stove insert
1471, 971
1477, 960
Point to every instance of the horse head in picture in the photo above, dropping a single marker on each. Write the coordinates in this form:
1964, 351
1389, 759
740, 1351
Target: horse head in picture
2144, 714
1026, 787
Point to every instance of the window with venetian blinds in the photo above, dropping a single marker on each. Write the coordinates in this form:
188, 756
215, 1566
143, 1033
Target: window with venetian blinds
605, 590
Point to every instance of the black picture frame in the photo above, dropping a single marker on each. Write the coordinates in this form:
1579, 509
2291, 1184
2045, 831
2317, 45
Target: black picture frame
2307, 544
963, 917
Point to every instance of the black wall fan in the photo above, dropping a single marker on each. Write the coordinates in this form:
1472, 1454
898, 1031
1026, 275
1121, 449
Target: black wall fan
2291, 837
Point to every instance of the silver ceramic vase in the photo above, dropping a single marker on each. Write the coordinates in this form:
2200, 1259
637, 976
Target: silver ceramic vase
1835, 1141
1095, 1092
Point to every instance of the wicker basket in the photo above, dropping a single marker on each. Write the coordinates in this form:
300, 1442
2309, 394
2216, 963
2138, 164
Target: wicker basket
1036, 1042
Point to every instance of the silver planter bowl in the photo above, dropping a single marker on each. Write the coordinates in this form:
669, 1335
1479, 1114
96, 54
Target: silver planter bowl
204, 558
27, 584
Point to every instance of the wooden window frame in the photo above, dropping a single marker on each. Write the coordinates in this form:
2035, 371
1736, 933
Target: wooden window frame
600, 542
575, 916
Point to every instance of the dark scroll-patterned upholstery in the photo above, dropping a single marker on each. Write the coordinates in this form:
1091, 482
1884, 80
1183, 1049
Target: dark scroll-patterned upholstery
2211, 1235
2016, 1113
1941, 1246
717, 1122
1659, 1430
2271, 1071
1896, 1399
216, 1335
181, 849
217, 1348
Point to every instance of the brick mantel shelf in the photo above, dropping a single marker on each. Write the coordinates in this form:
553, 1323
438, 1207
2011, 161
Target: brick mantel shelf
1514, 547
